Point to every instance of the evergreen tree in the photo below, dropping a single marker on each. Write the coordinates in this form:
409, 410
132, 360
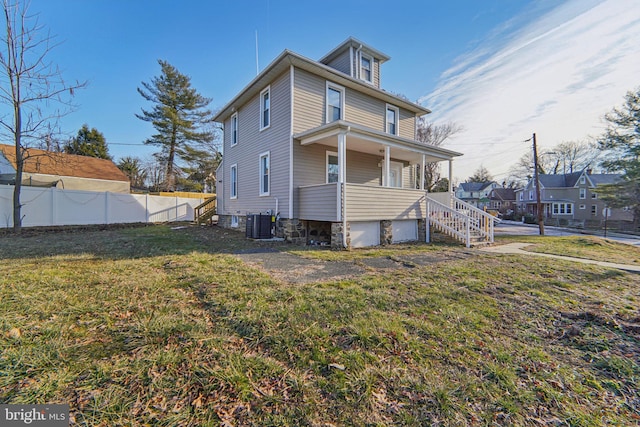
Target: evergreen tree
621, 143
132, 167
481, 175
179, 117
88, 142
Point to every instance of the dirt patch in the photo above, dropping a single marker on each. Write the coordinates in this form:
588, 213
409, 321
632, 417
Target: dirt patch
290, 268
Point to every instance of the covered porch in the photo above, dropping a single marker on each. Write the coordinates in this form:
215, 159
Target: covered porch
369, 175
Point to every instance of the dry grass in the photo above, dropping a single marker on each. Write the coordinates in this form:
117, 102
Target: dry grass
153, 326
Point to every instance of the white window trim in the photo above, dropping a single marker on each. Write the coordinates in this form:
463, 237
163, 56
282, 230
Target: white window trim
234, 221
386, 124
583, 180
326, 164
231, 195
370, 58
583, 206
594, 210
583, 193
234, 129
268, 91
340, 89
266, 154
594, 195
558, 207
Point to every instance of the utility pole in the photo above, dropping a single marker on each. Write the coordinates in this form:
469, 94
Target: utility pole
537, 183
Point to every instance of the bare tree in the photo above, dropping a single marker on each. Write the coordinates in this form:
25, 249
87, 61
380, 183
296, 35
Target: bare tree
435, 135
28, 84
566, 157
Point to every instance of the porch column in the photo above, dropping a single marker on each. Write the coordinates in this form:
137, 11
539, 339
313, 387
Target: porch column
424, 162
342, 173
387, 166
450, 176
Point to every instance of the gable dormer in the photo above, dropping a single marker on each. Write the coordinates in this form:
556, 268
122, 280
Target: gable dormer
357, 60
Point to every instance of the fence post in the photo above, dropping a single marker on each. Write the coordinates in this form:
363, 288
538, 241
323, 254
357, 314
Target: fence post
468, 220
146, 207
428, 223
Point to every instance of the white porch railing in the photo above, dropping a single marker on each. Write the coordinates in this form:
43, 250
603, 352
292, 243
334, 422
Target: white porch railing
461, 221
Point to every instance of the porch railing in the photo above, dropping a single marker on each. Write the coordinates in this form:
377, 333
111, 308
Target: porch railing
462, 221
205, 211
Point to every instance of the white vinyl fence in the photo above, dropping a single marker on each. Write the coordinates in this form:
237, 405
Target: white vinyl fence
52, 206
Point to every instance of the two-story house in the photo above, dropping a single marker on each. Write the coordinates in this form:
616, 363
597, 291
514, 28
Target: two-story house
476, 193
322, 147
571, 199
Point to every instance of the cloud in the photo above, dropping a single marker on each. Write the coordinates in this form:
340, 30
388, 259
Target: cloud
554, 71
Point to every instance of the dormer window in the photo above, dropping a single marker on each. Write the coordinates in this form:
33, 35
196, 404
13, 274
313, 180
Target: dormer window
366, 68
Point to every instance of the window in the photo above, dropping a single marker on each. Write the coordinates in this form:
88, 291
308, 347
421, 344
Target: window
332, 167
366, 65
594, 195
583, 206
530, 195
335, 103
265, 108
233, 189
583, 193
234, 221
521, 196
594, 209
264, 174
234, 129
392, 120
582, 179
562, 208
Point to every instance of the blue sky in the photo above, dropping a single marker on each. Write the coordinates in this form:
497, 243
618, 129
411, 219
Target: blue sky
500, 68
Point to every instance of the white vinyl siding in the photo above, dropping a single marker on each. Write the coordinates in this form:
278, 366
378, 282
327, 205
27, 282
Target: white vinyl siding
265, 171
265, 108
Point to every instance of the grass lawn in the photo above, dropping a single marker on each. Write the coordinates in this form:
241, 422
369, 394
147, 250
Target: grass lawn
166, 327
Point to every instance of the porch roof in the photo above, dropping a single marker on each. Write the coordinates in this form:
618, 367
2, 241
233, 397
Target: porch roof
367, 140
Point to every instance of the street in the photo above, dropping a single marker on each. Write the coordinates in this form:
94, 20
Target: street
520, 229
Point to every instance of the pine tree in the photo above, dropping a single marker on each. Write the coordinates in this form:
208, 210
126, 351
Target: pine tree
621, 142
88, 142
179, 116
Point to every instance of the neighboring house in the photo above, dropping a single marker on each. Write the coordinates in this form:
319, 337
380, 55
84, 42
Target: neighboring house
503, 200
321, 147
571, 199
476, 193
66, 171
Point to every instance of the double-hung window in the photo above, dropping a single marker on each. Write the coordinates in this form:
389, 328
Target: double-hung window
392, 120
234, 129
332, 167
335, 102
265, 108
264, 174
583, 193
233, 187
366, 68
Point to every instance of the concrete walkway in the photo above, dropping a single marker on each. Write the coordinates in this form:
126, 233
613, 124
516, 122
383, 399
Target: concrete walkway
517, 248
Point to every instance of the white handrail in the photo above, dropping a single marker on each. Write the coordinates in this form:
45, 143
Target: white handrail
461, 220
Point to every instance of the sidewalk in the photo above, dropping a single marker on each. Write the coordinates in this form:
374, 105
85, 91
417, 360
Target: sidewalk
516, 248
